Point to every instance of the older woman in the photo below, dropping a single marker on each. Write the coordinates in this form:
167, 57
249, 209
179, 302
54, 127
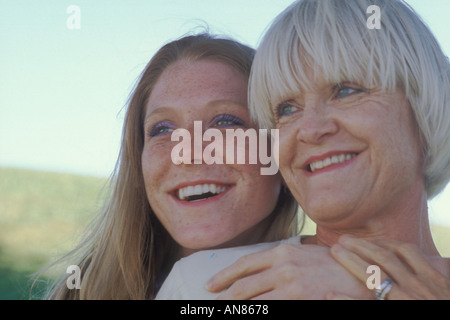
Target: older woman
363, 117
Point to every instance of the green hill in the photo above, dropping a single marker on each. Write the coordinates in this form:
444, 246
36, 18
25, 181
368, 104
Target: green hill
41, 214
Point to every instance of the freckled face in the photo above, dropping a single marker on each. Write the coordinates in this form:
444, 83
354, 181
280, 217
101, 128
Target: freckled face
348, 153
203, 206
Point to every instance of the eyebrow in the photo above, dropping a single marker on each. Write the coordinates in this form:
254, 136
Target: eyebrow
163, 109
213, 103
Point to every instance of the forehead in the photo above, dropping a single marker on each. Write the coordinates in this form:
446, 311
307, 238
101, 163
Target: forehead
198, 80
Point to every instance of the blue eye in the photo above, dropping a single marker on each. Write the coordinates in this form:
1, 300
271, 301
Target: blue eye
343, 91
227, 120
285, 109
161, 128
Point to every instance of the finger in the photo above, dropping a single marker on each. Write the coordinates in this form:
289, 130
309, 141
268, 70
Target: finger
350, 261
408, 282
248, 287
411, 255
430, 281
398, 293
276, 294
244, 266
338, 296
377, 255
358, 267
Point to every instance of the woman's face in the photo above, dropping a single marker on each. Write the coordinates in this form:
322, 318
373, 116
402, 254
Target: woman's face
201, 205
348, 153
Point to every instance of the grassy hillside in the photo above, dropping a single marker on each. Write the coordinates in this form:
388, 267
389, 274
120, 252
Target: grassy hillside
42, 213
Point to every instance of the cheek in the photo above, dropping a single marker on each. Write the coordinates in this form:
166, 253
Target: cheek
268, 194
149, 167
259, 193
287, 148
393, 134
290, 151
156, 171
150, 176
390, 133
155, 167
156, 157
402, 152
407, 138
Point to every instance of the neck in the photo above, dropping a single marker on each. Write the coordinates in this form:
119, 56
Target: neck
256, 234
406, 220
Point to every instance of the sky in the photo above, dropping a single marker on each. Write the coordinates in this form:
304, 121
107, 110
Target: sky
63, 89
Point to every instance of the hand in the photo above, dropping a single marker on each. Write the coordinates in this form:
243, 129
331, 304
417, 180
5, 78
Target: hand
403, 263
286, 272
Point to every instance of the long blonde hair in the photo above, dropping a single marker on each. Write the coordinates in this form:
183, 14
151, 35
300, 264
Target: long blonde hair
128, 253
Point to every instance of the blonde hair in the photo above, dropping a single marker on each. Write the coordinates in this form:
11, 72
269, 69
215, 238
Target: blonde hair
332, 37
128, 253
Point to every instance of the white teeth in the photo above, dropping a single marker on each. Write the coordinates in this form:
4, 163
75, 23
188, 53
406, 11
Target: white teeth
184, 193
316, 165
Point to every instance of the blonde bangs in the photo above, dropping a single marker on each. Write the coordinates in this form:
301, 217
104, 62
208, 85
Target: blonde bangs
317, 38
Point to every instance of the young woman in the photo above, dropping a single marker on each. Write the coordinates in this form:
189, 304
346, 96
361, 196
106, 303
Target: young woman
159, 212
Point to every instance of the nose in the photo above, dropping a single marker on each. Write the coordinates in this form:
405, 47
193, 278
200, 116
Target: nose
198, 145
196, 142
185, 145
316, 123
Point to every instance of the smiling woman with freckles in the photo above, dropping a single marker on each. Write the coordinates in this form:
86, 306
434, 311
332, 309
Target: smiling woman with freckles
364, 125
159, 212
200, 205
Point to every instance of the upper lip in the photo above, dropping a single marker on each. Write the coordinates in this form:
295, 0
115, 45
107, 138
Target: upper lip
321, 157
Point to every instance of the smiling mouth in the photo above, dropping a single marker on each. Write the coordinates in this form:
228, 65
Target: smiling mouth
335, 159
200, 192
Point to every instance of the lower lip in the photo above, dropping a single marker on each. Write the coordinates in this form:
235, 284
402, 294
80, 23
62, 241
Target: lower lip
203, 202
332, 167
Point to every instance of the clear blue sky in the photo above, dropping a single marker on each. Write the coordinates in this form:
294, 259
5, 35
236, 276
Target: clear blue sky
62, 91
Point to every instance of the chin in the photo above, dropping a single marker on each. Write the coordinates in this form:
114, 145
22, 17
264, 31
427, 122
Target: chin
196, 243
324, 214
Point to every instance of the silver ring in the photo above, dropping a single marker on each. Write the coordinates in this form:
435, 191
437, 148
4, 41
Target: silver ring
385, 287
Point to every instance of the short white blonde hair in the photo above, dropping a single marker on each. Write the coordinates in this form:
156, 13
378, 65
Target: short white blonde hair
332, 37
